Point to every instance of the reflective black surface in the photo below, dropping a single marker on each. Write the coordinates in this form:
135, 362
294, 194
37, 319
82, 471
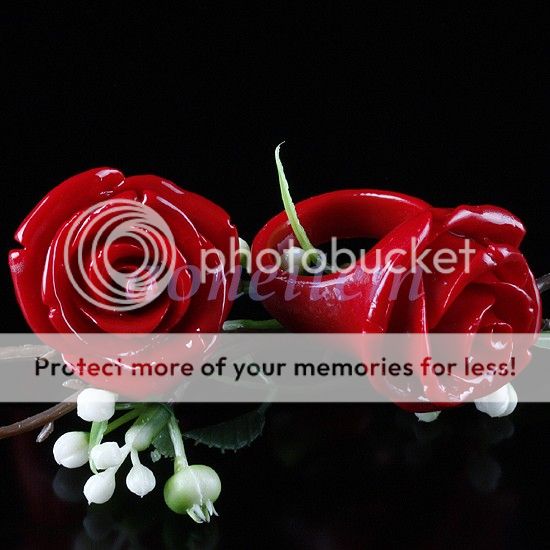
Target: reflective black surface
320, 477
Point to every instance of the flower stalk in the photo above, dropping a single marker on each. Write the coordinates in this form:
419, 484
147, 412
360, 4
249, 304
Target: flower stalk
290, 209
180, 460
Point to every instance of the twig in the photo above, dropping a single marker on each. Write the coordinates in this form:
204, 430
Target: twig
38, 420
44, 419
24, 352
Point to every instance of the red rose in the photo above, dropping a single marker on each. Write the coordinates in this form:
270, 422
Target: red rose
88, 260
496, 292
107, 254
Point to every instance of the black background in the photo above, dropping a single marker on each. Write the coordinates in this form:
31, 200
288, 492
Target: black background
446, 103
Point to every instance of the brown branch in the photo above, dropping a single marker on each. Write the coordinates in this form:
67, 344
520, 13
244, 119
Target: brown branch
43, 418
38, 420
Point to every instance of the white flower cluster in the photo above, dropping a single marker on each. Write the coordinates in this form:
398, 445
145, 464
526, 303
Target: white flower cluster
191, 490
72, 450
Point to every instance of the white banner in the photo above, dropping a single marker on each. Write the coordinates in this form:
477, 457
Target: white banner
407, 368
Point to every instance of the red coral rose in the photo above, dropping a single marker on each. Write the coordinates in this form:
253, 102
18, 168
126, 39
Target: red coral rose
493, 292
105, 253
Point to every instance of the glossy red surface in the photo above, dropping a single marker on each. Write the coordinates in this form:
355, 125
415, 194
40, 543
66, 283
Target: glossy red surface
47, 296
496, 294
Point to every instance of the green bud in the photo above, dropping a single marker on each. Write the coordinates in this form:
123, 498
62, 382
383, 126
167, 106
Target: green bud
193, 490
147, 427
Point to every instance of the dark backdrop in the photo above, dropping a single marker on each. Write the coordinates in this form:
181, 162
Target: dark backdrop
446, 103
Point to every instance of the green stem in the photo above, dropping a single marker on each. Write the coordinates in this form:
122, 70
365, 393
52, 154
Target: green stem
124, 406
97, 431
290, 209
121, 420
251, 324
180, 460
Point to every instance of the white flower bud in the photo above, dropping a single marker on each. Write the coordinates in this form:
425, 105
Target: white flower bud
291, 260
140, 480
131, 434
106, 455
427, 417
100, 487
499, 403
95, 405
71, 449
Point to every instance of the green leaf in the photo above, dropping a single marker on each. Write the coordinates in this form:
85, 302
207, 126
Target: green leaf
163, 444
233, 434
